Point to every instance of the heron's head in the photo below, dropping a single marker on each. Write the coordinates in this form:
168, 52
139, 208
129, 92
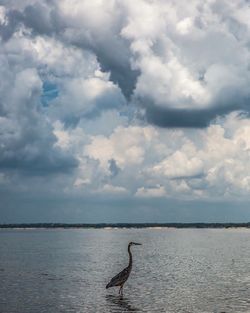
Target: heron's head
134, 244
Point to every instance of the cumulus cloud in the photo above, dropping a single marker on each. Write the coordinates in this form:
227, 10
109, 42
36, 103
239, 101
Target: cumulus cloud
183, 64
195, 64
136, 100
179, 165
150, 162
27, 139
125, 146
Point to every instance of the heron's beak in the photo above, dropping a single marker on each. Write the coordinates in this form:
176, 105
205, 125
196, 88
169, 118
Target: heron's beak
137, 244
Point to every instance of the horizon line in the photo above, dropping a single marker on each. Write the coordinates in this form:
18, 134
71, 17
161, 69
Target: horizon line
128, 225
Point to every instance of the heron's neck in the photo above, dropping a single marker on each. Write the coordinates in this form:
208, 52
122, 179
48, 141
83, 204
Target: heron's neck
130, 257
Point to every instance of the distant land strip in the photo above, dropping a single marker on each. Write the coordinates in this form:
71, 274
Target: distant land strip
127, 225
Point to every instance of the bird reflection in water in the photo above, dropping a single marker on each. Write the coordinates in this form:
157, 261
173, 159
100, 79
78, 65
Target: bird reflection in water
120, 304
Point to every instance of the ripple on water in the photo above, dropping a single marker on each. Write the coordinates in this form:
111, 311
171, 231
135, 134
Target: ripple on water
198, 271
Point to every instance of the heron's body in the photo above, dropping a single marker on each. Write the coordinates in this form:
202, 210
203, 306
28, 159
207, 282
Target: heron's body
121, 278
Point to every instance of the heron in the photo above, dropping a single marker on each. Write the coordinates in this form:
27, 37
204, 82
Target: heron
120, 279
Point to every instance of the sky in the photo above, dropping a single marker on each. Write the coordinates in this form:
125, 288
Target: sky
124, 111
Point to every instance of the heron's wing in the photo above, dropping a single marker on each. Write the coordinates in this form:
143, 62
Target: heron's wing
119, 279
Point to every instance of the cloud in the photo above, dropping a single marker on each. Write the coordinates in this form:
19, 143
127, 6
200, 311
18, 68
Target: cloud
179, 165
110, 189
125, 146
152, 162
194, 63
184, 64
158, 191
26, 136
88, 97
140, 101
114, 169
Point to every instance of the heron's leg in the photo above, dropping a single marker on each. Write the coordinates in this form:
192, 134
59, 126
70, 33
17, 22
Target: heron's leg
122, 290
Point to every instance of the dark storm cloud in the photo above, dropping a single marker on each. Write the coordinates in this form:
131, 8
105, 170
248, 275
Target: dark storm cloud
42, 19
121, 73
50, 162
31, 149
179, 118
14, 18
113, 55
194, 118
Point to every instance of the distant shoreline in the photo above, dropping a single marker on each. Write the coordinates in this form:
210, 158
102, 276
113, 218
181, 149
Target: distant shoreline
123, 225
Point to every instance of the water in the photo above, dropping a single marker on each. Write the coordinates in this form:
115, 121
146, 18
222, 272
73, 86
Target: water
174, 271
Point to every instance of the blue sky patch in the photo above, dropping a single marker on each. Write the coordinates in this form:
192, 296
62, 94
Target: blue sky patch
50, 92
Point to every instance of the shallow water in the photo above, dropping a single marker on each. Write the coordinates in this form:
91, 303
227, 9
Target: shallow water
185, 270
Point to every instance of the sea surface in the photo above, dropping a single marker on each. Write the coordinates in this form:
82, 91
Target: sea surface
175, 270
